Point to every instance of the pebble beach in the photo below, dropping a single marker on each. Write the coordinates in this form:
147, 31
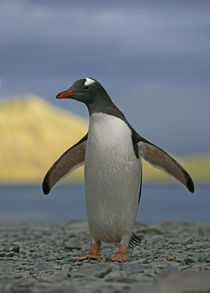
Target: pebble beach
171, 257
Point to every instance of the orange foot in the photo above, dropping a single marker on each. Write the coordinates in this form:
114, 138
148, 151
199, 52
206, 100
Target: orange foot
94, 252
121, 254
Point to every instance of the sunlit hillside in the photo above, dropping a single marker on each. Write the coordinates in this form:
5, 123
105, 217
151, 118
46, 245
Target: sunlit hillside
33, 134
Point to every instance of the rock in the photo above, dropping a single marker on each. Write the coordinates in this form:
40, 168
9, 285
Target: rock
120, 278
133, 268
15, 248
188, 260
104, 272
180, 282
187, 241
53, 277
71, 245
10, 254
95, 270
168, 270
41, 265
172, 258
42, 259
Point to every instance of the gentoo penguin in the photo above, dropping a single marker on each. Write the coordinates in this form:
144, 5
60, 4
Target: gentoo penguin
111, 152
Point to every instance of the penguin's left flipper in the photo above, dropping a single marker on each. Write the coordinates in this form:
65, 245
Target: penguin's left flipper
69, 161
160, 159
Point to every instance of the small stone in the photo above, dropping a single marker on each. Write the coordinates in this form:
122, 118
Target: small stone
172, 258
134, 268
10, 254
103, 273
93, 269
205, 259
174, 241
70, 245
121, 280
190, 247
146, 260
188, 261
187, 241
15, 248
53, 277
168, 271
59, 257
57, 267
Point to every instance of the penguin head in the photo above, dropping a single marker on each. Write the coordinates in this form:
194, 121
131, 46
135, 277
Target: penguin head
85, 90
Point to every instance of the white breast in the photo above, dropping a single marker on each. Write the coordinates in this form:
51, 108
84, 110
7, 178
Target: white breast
112, 178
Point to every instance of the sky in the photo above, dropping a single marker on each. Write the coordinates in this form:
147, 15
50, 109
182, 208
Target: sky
152, 57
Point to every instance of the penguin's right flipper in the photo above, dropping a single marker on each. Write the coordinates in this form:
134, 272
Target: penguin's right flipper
69, 161
160, 159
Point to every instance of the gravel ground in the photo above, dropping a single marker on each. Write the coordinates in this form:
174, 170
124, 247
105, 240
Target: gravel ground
42, 259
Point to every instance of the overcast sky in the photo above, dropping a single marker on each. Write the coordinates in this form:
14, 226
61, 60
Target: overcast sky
152, 57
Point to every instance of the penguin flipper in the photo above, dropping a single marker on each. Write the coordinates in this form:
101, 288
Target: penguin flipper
160, 159
69, 161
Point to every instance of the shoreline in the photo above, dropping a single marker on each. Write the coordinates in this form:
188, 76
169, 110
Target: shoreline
41, 258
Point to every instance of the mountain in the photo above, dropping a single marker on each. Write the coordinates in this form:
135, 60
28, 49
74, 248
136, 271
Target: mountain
33, 134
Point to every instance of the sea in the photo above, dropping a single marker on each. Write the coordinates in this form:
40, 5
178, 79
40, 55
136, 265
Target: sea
159, 203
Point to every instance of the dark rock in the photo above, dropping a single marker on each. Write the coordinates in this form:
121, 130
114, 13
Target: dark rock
15, 248
188, 260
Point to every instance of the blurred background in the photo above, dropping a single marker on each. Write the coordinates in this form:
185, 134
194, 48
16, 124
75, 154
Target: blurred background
152, 57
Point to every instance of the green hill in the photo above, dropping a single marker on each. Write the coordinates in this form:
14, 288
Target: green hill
33, 134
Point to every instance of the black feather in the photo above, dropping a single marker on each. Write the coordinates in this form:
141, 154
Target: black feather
134, 241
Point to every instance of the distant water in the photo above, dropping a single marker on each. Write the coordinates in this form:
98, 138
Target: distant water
26, 203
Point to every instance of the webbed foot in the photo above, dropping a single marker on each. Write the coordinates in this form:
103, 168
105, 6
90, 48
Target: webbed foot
94, 252
121, 254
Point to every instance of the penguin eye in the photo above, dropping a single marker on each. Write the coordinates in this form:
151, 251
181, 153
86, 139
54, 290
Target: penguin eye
86, 87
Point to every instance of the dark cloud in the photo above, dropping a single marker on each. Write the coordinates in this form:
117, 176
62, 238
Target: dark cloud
152, 56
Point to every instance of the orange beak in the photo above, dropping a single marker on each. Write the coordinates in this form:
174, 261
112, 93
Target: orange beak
65, 94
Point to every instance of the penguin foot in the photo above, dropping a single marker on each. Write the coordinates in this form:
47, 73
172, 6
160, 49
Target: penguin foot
121, 254
94, 252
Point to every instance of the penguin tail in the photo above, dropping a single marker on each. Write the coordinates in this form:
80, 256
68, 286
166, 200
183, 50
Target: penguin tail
135, 240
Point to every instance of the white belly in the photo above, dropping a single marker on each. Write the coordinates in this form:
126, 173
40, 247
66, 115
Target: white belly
112, 179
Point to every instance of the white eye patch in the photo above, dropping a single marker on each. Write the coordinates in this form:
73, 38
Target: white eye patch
88, 81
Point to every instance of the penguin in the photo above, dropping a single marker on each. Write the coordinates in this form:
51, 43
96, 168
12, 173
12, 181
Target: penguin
111, 152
